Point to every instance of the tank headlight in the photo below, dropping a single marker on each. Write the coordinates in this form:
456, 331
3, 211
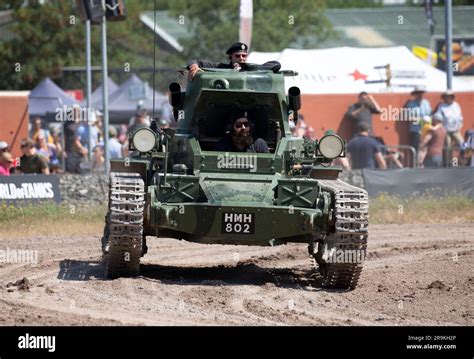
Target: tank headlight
331, 146
144, 139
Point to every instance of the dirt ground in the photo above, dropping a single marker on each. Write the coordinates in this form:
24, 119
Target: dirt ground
414, 275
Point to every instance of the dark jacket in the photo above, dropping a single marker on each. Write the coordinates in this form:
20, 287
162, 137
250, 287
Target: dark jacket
270, 65
226, 144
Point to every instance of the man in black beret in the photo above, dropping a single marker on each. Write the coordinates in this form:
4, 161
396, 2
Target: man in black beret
237, 54
240, 138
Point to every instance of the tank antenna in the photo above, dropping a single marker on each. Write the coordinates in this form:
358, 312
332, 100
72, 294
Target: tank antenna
154, 57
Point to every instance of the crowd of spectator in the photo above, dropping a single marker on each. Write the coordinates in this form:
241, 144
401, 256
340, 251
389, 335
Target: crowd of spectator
43, 152
433, 134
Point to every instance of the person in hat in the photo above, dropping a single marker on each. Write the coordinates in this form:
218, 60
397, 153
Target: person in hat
237, 54
240, 139
31, 162
6, 163
451, 114
3, 147
417, 108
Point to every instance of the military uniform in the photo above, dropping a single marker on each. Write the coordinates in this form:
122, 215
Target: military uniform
238, 46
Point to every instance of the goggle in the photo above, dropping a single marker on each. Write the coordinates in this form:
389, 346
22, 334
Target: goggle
240, 124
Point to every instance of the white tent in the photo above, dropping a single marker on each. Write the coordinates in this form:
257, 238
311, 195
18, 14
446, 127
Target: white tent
351, 69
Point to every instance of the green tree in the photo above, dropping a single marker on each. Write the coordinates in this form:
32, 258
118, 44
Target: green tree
44, 41
276, 24
11, 4
50, 36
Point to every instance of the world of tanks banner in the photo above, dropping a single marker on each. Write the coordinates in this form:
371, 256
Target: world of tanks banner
23, 189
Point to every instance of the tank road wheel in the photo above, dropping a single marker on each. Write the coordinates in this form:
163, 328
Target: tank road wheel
340, 255
124, 225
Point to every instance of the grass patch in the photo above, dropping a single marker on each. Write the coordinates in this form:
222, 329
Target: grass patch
386, 209
51, 219
62, 220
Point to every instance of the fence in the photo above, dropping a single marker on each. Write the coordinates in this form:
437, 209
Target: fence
407, 154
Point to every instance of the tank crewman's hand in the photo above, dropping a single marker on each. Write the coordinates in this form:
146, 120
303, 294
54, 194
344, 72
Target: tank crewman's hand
193, 69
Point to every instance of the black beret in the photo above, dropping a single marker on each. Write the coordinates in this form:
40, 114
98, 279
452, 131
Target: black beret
238, 46
239, 114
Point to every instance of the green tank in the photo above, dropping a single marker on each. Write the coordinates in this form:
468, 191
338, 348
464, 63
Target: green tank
177, 185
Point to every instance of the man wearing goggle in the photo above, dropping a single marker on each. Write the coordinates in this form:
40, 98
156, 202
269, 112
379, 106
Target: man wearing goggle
237, 54
240, 139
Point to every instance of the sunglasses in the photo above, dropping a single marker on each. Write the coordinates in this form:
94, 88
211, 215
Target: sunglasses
240, 124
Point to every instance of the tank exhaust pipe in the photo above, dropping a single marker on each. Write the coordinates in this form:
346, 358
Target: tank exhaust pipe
176, 99
294, 101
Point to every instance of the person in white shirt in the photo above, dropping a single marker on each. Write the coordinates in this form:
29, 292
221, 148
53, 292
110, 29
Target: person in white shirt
115, 147
450, 112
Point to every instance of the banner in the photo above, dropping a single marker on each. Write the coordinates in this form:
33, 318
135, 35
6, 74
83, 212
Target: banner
463, 54
18, 189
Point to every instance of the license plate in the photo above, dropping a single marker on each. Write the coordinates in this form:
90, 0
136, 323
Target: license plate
238, 223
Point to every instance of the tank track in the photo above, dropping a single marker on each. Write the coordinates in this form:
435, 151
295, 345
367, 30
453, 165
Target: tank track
123, 247
348, 235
